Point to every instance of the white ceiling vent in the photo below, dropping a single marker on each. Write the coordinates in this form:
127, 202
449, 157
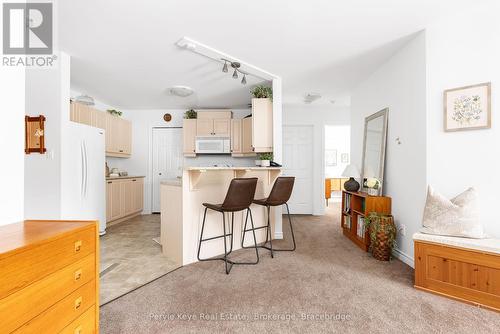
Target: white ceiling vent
182, 91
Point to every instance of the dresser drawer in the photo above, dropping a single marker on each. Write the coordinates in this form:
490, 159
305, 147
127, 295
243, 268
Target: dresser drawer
21, 269
25, 304
63, 313
85, 324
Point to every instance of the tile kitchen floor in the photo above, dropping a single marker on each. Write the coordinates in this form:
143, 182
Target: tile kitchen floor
130, 257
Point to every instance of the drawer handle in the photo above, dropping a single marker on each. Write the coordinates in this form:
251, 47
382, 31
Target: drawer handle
78, 330
78, 246
110, 182
134, 180
78, 303
78, 274
121, 150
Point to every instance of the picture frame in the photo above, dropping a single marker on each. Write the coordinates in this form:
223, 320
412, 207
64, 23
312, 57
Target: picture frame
331, 158
34, 134
467, 108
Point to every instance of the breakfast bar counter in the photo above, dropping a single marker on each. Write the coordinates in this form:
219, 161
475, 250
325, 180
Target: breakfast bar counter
182, 210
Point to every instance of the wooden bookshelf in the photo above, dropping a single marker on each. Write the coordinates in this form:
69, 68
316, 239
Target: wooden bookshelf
356, 206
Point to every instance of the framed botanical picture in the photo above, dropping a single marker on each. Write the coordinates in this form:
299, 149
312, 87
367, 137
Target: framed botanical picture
344, 158
331, 158
467, 108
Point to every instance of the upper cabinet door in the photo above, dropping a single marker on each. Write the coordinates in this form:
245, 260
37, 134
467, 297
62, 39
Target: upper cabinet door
236, 136
125, 135
246, 135
189, 136
73, 112
205, 127
85, 114
98, 118
222, 127
262, 125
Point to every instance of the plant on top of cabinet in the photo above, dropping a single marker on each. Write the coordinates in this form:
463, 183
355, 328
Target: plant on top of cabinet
190, 114
114, 112
262, 92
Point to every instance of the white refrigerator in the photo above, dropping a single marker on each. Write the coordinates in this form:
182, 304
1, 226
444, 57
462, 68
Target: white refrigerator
83, 182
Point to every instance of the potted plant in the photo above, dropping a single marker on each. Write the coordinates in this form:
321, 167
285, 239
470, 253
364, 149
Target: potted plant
114, 112
262, 92
265, 159
190, 114
383, 232
373, 185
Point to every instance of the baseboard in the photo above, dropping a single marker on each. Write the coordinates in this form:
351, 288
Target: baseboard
403, 257
278, 235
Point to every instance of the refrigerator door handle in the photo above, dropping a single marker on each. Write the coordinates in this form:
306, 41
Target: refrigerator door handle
82, 181
86, 168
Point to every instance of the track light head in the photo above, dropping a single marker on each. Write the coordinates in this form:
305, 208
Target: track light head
224, 68
244, 80
235, 74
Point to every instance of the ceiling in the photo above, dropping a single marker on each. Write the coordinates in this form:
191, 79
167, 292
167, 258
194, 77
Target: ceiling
124, 53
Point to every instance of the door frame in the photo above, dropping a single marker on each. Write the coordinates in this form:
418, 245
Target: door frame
150, 162
313, 165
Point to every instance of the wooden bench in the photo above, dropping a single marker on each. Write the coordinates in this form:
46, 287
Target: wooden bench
464, 269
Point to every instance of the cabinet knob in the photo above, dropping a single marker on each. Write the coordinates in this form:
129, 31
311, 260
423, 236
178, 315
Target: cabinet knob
78, 246
78, 274
110, 182
78, 303
159, 173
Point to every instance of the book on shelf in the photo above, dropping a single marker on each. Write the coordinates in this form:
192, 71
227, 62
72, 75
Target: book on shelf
347, 222
361, 227
347, 203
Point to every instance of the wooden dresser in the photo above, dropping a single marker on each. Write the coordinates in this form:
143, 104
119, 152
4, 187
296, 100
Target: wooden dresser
49, 277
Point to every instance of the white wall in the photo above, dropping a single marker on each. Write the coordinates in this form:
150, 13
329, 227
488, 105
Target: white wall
399, 84
47, 93
318, 117
458, 55
12, 86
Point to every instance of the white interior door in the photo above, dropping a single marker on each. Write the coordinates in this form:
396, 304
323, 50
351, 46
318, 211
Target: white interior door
167, 159
298, 162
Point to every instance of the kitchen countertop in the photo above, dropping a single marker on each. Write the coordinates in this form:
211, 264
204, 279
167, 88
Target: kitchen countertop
124, 177
233, 168
172, 182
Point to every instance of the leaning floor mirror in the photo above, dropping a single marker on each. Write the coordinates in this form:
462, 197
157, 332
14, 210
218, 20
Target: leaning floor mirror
374, 143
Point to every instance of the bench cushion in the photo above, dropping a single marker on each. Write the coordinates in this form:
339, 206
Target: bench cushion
489, 245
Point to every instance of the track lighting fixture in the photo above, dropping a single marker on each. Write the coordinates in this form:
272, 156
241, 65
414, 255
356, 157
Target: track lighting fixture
236, 66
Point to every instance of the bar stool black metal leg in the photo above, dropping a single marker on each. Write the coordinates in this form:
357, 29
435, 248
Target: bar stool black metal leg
201, 235
269, 231
228, 269
291, 229
254, 237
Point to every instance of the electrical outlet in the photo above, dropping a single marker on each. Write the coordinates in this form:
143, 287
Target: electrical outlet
402, 229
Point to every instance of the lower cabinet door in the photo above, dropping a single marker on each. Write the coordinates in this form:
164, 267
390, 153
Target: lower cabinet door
115, 203
126, 197
138, 194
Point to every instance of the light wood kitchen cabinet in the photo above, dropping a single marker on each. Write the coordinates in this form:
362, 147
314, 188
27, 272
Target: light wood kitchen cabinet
118, 136
213, 127
204, 127
262, 125
124, 198
118, 130
241, 137
189, 136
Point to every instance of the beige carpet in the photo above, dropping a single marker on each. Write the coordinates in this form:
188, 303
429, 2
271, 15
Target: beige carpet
327, 285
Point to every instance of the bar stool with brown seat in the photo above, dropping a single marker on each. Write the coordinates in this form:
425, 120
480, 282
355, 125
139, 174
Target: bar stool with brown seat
238, 198
279, 195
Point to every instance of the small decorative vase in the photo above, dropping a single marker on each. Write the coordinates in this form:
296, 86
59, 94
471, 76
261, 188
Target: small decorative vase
380, 247
351, 185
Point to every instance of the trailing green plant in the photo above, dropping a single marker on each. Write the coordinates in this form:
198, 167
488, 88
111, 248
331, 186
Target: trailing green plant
262, 92
373, 224
190, 114
266, 156
114, 112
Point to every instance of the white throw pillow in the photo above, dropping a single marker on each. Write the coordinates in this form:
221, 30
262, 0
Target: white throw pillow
458, 217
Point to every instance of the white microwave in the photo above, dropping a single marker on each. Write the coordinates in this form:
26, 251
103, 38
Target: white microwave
211, 145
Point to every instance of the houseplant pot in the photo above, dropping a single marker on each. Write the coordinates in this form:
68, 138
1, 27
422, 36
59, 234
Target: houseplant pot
382, 231
265, 159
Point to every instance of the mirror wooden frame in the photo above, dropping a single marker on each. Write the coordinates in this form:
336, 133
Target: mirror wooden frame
34, 134
385, 114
